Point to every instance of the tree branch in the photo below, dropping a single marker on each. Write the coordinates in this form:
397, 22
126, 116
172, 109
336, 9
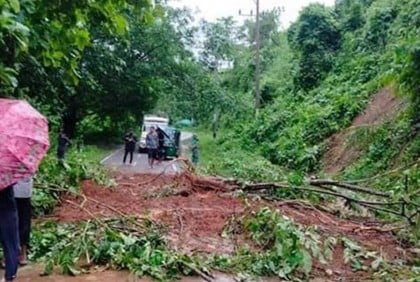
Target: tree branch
144, 55
321, 182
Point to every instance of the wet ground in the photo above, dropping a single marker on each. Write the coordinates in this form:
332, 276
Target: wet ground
140, 161
196, 210
31, 273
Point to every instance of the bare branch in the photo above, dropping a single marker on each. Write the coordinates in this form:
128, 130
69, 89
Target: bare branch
321, 182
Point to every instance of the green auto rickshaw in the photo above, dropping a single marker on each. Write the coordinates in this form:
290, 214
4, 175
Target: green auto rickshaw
172, 142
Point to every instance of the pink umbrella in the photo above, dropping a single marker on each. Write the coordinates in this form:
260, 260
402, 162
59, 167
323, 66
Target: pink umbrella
23, 140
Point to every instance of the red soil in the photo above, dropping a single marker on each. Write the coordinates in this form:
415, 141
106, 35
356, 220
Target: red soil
196, 217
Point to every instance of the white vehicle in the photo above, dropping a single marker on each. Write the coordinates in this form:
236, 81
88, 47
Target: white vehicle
149, 121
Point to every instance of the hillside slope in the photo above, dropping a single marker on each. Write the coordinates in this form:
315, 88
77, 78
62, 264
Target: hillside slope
342, 148
376, 44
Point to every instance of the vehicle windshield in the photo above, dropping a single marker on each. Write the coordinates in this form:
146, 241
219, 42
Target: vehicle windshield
170, 132
147, 126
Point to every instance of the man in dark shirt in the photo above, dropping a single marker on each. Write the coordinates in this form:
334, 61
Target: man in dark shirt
161, 142
130, 145
63, 143
9, 234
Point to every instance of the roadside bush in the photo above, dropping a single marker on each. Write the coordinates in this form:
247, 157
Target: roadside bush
243, 165
53, 178
107, 242
284, 249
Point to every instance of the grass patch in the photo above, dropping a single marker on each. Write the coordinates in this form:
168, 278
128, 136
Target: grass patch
93, 153
228, 159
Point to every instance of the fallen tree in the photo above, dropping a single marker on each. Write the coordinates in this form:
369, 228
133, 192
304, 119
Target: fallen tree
362, 195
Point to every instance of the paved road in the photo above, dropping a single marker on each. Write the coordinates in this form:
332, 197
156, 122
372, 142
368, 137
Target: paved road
140, 164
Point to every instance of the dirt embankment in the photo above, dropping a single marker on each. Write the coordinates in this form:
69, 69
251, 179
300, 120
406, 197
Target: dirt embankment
382, 107
196, 217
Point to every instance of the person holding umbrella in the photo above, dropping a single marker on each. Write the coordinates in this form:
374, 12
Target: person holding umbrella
23, 143
23, 193
9, 234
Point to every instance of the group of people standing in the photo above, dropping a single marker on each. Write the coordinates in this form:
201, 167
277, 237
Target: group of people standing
155, 140
155, 145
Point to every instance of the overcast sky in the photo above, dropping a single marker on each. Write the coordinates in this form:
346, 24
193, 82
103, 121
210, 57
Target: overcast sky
213, 9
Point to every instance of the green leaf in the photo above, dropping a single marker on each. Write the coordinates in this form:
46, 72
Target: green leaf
350, 244
377, 262
306, 262
128, 240
148, 17
120, 24
82, 38
57, 55
15, 5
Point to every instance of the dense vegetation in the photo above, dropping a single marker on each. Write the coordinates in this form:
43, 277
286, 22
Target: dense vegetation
87, 65
320, 73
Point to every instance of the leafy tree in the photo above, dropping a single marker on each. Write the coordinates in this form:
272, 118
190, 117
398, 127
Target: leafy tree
269, 26
13, 42
59, 30
45, 42
216, 53
379, 22
350, 14
242, 76
218, 42
315, 37
190, 90
406, 53
133, 75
